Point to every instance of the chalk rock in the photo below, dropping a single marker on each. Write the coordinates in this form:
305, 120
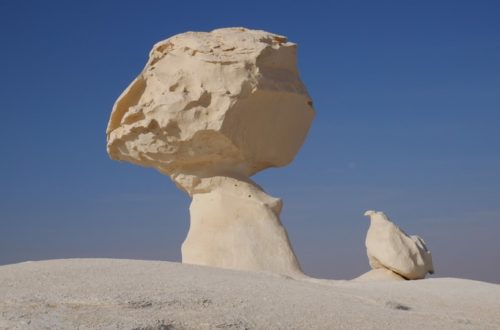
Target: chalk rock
389, 247
237, 225
210, 110
206, 103
379, 274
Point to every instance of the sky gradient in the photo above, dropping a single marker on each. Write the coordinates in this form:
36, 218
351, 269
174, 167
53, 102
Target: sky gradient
407, 96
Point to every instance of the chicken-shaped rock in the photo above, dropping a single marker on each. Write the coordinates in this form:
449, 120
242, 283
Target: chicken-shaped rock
391, 248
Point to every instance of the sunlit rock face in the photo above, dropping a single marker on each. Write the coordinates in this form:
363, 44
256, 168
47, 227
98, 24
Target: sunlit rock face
390, 248
210, 109
206, 103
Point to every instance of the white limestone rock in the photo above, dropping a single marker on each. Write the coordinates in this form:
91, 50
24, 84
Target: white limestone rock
237, 225
120, 294
210, 109
209, 102
391, 248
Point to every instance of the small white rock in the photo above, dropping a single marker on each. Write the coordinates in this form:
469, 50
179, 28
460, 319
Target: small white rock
389, 247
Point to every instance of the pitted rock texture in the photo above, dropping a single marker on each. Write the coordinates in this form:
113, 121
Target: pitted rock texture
206, 103
210, 110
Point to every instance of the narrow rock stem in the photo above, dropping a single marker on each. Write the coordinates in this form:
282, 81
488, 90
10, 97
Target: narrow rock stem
235, 224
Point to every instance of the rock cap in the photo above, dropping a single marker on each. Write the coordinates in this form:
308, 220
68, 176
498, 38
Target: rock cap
206, 103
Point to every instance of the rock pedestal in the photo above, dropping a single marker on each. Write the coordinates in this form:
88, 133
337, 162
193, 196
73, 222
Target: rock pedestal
235, 224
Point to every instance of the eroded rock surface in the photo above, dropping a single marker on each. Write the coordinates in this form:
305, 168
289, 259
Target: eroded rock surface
210, 109
244, 230
207, 103
388, 247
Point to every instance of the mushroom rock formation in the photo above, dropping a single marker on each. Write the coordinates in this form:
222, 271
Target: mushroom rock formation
210, 109
390, 248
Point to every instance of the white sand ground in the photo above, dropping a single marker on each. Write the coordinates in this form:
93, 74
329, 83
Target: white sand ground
134, 294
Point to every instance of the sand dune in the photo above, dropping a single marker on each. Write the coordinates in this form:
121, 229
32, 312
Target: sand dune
135, 294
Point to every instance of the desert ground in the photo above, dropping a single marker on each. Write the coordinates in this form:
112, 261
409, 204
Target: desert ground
137, 294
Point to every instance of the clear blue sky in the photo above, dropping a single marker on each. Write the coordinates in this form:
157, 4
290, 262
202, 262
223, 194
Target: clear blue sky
407, 95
